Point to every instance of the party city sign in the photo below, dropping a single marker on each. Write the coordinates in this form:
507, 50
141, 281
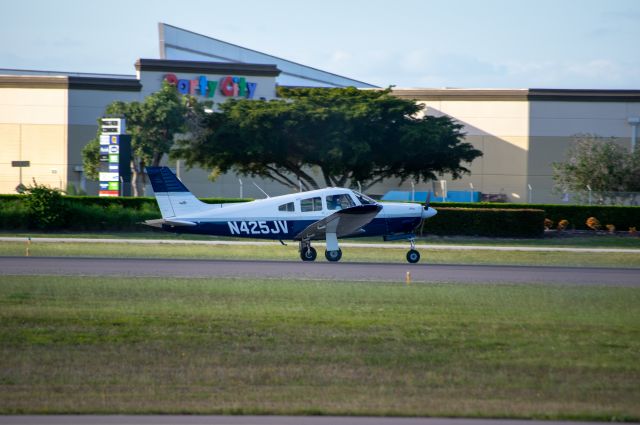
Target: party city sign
228, 86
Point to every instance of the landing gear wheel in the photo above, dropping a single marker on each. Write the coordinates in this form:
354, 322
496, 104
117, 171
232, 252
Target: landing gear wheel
308, 254
413, 256
333, 255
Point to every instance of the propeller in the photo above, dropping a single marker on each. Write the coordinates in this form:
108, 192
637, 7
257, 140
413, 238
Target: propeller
428, 211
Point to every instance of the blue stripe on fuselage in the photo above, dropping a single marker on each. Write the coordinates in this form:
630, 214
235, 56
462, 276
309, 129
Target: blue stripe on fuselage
288, 229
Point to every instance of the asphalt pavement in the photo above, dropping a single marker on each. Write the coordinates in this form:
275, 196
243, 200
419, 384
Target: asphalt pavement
386, 272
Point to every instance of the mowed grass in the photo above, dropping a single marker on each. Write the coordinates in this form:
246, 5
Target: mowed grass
568, 239
138, 345
396, 254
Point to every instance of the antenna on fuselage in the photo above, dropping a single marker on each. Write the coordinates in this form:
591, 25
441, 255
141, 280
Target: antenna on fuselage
260, 189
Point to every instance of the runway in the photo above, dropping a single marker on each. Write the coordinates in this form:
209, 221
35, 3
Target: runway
385, 272
260, 420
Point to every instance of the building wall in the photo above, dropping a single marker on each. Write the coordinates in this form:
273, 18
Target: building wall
33, 127
554, 125
85, 108
498, 128
522, 132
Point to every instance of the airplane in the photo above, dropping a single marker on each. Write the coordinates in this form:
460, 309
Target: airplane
328, 214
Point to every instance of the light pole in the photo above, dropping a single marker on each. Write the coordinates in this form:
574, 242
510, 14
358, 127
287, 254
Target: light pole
589, 189
443, 188
633, 122
530, 193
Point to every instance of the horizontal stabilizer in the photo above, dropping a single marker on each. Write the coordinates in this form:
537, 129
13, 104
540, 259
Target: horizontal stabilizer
176, 223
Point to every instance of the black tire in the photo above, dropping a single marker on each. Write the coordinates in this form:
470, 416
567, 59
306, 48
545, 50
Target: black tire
308, 254
333, 255
413, 256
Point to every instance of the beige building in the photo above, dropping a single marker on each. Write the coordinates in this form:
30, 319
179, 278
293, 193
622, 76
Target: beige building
521, 132
47, 119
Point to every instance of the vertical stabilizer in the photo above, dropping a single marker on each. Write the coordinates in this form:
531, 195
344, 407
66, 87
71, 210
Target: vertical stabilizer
173, 197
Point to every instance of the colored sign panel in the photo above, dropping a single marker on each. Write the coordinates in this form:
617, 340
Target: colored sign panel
109, 177
115, 155
112, 126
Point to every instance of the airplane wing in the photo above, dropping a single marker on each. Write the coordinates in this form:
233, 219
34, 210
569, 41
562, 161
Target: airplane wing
343, 222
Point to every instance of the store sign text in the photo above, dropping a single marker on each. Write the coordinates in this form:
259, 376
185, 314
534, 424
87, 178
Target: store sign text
228, 86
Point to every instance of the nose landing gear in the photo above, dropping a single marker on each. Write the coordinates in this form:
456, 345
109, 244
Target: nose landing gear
413, 256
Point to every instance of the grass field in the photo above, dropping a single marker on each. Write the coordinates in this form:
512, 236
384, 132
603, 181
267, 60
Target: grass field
290, 252
586, 240
103, 345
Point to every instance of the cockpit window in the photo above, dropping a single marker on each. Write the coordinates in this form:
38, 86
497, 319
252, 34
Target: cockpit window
311, 204
289, 207
364, 199
339, 202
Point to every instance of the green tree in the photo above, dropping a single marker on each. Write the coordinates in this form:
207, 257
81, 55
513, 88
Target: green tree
46, 208
346, 134
609, 169
153, 125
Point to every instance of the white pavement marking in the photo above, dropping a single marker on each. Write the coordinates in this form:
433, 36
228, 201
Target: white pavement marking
345, 244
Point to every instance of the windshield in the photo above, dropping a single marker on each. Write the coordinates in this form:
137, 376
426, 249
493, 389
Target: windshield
364, 199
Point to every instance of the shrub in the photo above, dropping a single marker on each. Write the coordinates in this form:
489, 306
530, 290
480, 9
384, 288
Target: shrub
562, 225
46, 208
492, 222
611, 228
593, 223
548, 224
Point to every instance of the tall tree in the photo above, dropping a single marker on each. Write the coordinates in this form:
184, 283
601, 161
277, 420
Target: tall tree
348, 135
153, 125
606, 167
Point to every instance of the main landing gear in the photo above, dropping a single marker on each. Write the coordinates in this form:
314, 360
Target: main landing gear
308, 253
333, 255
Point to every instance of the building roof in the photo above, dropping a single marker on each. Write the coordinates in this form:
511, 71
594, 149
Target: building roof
207, 67
76, 82
181, 44
532, 94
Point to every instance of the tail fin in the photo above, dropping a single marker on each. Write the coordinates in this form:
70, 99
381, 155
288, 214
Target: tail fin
173, 197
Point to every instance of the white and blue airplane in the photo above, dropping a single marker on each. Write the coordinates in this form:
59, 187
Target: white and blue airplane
324, 214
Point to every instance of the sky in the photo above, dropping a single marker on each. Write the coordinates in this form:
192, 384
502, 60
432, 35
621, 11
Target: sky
588, 44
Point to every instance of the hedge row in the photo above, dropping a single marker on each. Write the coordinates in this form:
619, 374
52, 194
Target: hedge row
621, 217
482, 219
78, 217
493, 222
128, 202
84, 213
